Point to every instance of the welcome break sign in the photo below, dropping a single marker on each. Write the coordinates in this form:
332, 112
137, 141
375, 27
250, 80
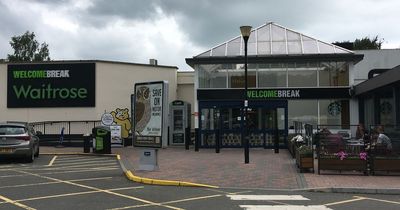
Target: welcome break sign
51, 85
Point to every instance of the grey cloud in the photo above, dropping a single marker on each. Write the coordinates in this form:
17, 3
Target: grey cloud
211, 22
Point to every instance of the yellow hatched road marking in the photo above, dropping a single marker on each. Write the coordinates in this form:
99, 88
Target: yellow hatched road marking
46, 183
105, 191
52, 160
62, 172
78, 193
7, 200
184, 200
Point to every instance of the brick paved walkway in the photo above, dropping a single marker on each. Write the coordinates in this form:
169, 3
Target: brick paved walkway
227, 169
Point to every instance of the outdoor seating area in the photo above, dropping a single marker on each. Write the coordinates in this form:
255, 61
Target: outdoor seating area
346, 149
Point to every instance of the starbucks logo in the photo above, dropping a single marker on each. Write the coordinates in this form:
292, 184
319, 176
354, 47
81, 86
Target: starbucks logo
386, 108
334, 109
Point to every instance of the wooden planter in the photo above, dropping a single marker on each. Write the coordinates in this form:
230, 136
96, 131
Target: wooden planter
388, 164
304, 162
347, 164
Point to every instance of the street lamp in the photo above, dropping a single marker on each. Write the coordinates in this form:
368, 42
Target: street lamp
245, 31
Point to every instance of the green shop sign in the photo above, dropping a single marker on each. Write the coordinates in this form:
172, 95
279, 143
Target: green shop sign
51, 85
271, 94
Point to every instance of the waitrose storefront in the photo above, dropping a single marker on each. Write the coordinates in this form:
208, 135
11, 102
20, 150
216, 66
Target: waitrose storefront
291, 77
75, 91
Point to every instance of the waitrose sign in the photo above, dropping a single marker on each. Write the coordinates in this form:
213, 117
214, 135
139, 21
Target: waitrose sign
51, 85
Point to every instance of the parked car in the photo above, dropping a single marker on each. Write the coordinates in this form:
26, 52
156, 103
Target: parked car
18, 140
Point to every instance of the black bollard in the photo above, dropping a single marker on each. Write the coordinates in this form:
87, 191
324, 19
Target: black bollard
196, 139
217, 141
187, 138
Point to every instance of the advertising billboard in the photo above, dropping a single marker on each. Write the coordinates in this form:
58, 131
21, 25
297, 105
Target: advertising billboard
51, 85
150, 105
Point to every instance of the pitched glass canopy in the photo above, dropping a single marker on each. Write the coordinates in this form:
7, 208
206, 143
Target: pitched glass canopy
273, 39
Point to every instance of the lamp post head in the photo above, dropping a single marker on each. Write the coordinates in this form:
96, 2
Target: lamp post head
245, 31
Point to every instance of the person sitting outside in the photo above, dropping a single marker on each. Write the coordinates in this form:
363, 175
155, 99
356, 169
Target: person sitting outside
360, 133
383, 139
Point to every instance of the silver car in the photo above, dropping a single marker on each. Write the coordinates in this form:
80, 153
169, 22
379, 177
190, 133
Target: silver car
18, 140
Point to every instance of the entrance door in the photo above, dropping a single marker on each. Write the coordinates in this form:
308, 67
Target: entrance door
275, 122
227, 120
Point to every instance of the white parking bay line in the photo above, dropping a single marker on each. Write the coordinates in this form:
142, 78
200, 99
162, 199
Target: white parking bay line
268, 197
284, 207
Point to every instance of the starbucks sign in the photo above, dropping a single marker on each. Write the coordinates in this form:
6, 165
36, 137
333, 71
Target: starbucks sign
51, 85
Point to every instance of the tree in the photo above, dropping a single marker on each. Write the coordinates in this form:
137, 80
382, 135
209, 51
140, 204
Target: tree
26, 48
367, 43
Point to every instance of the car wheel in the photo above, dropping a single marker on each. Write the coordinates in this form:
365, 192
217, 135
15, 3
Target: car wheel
37, 151
30, 157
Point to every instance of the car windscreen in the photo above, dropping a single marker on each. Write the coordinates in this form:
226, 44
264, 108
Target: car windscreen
11, 130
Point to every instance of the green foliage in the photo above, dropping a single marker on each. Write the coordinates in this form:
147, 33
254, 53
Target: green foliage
367, 43
26, 48
305, 150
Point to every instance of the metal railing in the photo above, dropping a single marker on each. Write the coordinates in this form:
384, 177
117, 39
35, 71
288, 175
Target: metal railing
70, 127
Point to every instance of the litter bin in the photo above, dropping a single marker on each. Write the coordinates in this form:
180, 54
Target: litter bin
101, 140
86, 142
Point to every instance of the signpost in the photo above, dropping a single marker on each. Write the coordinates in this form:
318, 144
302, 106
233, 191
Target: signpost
151, 121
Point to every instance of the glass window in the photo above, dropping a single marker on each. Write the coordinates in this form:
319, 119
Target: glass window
271, 75
264, 48
263, 34
325, 48
309, 45
334, 74
334, 112
234, 47
305, 111
294, 47
219, 51
278, 33
218, 79
293, 36
236, 76
301, 75
369, 118
386, 106
278, 47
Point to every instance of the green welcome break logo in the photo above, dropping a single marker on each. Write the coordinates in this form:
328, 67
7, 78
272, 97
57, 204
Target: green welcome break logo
264, 94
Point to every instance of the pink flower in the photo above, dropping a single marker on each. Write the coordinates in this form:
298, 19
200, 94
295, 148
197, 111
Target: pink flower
363, 155
342, 155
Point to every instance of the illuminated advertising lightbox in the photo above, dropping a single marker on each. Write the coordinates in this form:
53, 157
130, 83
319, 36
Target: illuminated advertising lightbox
151, 103
51, 85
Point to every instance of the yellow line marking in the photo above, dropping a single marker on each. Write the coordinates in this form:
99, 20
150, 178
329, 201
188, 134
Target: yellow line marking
87, 165
46, 183
105, 191
86, 162
118, 157
345, 201
78, 193
63, 172
52, 160
7, 200
381, 200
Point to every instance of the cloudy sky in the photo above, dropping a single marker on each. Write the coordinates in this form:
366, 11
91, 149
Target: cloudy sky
172, 30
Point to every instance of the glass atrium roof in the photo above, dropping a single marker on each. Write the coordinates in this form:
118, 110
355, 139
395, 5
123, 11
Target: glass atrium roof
273, 39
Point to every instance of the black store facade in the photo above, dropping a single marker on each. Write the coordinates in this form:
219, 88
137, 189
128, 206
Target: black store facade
379, 98
291, 77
